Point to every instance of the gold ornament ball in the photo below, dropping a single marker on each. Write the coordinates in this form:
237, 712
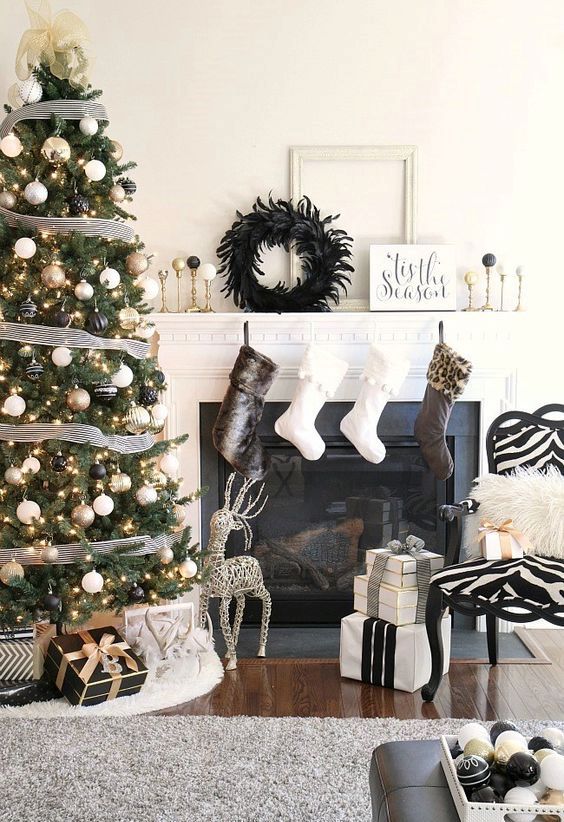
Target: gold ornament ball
480, 747
166, 555
117, 194
137, 419
552, 797
178, 264
53, 276
155, 426
120, 483
78, 399
505, 751
10, 571
50, 553
129, 318
470, 278
179, 512
116, 150
82, 515
56, 150
136, 263
542, 753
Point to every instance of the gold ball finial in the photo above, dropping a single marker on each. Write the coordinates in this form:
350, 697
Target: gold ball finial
470, 278
178, 264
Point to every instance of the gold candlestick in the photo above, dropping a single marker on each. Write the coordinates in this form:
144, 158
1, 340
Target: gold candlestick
488, 261
179, 265
163, 276
193, 265
208, 272
520, 271
502, 275
470, 278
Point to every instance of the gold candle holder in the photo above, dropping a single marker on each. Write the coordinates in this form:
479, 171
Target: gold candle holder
502, 275
470, 278
488, 261
179, 265
193, 265
520, 271
163, 277
208, 272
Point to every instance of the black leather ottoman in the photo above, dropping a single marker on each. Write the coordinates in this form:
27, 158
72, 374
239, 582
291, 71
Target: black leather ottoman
407, 784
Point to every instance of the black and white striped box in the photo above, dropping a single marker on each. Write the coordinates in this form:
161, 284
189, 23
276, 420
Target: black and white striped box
16, 660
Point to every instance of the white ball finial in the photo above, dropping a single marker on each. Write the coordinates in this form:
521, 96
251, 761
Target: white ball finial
520, 270
207, 272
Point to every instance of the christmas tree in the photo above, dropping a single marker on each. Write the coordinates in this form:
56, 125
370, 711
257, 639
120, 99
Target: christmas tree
89, 504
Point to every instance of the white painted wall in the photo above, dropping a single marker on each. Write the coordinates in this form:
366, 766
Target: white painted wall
209, 96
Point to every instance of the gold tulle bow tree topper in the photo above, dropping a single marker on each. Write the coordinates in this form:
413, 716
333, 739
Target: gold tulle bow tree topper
58, 42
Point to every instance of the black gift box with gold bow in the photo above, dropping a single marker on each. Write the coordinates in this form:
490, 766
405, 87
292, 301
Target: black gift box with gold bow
94, 666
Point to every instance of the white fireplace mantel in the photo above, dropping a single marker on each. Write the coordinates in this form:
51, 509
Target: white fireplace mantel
197, 352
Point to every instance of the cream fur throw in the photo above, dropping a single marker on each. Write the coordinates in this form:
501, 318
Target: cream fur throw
533, 499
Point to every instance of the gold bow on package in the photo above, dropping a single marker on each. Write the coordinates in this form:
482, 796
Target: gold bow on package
57, 42
502, 541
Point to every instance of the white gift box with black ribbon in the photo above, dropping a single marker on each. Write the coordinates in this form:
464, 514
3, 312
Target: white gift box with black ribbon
388, 655
400, 569
395, 605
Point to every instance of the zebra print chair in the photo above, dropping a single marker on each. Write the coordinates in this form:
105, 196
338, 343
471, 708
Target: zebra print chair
494, 588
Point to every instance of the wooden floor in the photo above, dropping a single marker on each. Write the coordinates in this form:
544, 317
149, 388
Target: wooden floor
315, 688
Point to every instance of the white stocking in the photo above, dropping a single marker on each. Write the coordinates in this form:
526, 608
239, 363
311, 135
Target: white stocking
320, 375
382, 378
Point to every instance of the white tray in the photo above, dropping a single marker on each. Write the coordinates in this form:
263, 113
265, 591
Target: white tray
486, 811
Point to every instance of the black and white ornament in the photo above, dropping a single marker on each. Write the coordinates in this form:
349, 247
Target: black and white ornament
105, 392
28, 309
59, 463
78, 205
128, 186
30, 91
34, 371
35, 193
96, 322
148, 395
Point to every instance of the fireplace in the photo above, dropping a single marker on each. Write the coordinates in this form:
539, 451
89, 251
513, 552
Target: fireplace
321, 516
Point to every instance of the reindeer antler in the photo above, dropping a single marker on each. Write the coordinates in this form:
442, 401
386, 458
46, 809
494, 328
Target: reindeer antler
228, 488
246, 514
247, 484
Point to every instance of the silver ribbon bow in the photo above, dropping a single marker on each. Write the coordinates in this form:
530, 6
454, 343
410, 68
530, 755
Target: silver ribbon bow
412, 545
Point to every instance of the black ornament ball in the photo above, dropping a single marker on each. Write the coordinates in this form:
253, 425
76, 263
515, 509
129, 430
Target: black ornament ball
500, 783
96, 322
136, 594
523, 769
484, 794
59, 463
78, 204
489, 260
62, 319
105, 392
498, 728
128, 186
34, 371
473, 772
97, 471
159, 377
147, 395
51, 602
28, 309
539, 742
456, 751
193, 262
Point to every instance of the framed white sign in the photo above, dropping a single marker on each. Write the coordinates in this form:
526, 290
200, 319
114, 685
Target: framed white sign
412, 278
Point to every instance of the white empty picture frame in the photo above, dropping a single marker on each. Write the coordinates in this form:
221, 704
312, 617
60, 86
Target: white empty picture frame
412, 278
373, 188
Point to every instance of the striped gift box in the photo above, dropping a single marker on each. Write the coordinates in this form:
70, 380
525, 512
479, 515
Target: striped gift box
16, 660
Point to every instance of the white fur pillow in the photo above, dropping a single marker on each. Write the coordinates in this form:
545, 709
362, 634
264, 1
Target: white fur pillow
533, 499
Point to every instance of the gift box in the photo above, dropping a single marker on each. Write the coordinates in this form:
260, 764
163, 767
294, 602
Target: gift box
94, 666
502, 541
400, 569
395, 605
391, 656
16, 658
43, 632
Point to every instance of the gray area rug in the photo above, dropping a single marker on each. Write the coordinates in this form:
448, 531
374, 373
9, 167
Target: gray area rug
197, 769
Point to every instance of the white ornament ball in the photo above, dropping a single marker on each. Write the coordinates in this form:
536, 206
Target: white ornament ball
50, 553
88, 126
520, 796
95, 170
28, 511
13, 475
11, 146
35, 193
30, 91
188, 569
146, 495
513, 736
83, 291
14, 405
160, 411
123, 376
25, 248
117, 194
31, 465
207, 272
169, 464
472, 730
145, 330
92, 582
103, 505
539, 789
166, 555
150, 287
555, 736
110, 278
552, 771
61, 356
7, 199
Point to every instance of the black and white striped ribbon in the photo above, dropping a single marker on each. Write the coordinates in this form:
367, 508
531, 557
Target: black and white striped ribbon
75, 552
423, 577
65, 109
71, 337
76, 432
66, 225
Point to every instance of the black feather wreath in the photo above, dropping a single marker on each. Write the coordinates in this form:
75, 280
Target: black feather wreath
324, 254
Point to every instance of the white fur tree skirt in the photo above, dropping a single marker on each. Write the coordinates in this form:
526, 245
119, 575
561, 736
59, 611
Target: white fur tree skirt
171, 683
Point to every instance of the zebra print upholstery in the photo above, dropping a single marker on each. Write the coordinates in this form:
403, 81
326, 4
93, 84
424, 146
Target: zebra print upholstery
532, 440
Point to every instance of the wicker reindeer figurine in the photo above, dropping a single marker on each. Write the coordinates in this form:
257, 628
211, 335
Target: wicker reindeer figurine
236, 577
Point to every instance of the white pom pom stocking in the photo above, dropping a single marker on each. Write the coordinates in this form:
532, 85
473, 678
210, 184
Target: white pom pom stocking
320, 375
382, 378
